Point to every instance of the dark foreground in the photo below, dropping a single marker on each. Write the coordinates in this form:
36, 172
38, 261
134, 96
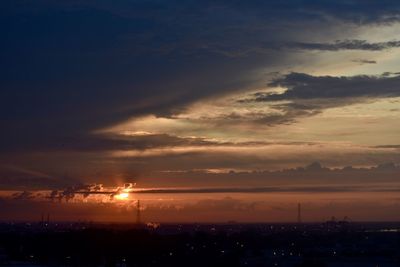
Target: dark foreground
329, 244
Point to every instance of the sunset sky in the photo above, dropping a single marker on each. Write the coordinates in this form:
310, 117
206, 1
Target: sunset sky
206, 111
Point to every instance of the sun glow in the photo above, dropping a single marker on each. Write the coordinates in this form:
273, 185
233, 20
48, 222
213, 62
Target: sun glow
122, 196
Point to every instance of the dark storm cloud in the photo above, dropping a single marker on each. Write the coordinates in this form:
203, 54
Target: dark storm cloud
304, 86
307, 95
70, 68
68, 71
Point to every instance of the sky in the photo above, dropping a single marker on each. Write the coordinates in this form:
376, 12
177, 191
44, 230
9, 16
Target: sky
206, 111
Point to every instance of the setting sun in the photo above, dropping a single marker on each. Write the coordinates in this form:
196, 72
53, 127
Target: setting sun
122, 196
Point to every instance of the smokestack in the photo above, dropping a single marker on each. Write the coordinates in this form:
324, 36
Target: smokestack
138, 222
298, 213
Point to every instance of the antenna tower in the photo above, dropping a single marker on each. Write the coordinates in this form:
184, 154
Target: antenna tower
138, 212
298, 213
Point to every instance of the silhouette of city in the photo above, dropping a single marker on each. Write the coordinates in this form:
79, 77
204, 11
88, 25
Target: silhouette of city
332, 243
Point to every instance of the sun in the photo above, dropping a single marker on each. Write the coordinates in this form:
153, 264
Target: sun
122, 196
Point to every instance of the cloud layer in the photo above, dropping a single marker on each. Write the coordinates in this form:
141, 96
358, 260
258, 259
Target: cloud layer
198, 94
307, 95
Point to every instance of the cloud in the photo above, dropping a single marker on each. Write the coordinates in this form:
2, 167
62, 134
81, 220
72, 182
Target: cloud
305, 86
108, 142
188, 164
25, 195
309, 176
15, 177
103, 68
364, 61
309, 189
313, 178
111, 62
70, 69
105, 142
345, 45
338, 45
307, 95
289, 113
389, 146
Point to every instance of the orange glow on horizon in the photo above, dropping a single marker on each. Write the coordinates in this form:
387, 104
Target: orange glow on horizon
122, 196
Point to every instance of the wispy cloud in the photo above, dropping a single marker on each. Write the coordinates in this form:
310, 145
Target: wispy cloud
364, 61
345, 45
309, 189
